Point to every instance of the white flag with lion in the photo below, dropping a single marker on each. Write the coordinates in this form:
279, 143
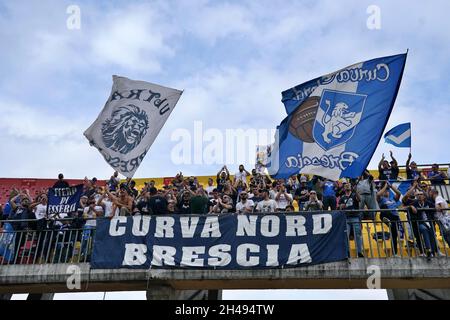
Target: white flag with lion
130, 121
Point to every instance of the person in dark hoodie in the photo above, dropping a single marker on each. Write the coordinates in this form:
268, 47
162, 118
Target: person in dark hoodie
61, 183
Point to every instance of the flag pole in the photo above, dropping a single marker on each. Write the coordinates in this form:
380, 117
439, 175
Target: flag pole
410, 132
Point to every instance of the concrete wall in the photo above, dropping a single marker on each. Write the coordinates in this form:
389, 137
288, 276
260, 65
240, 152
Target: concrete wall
395, 273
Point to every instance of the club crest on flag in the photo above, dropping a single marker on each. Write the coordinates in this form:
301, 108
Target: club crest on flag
337, 117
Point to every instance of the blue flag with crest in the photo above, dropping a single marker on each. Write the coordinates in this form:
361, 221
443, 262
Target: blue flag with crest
335, 121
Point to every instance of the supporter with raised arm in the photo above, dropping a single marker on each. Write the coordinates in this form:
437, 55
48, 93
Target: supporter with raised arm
283, 198
123, 202
22, 211
391, 218
267, 204
242, 174
411, 170
239, 186
107, 204
313, 204
223, 176
394, 167
350, 201
40, 212
384, 169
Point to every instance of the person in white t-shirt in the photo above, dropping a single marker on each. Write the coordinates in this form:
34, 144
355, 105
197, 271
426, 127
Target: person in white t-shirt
442, 215
40, 208
40, 212
91, 212
283, 198
245, 205
209, 189
105, 202
241, 175
266, 205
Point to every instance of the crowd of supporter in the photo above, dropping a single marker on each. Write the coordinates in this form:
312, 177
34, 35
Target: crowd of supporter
253, 191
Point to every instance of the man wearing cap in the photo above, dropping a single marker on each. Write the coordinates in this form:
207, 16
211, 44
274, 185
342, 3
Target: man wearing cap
313, 204
302, 193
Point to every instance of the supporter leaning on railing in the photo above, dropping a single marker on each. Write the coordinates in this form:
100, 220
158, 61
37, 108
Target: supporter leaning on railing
186, 196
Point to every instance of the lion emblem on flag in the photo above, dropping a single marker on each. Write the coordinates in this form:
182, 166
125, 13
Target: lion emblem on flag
125, 129
339, 122
337, 117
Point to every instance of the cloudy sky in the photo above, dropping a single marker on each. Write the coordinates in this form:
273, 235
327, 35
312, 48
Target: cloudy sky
232, 59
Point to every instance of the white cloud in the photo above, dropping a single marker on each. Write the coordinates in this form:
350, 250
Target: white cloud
132, 39
215, 21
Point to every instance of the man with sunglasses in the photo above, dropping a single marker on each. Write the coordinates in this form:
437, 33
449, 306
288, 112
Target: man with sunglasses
245, 205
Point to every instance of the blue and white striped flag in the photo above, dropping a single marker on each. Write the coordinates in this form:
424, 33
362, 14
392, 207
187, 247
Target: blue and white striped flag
399, 136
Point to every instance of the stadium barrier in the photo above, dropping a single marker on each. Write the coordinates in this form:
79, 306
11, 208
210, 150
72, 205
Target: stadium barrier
74, 245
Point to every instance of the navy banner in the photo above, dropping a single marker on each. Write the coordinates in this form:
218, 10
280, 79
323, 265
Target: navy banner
64, 200
226, 241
